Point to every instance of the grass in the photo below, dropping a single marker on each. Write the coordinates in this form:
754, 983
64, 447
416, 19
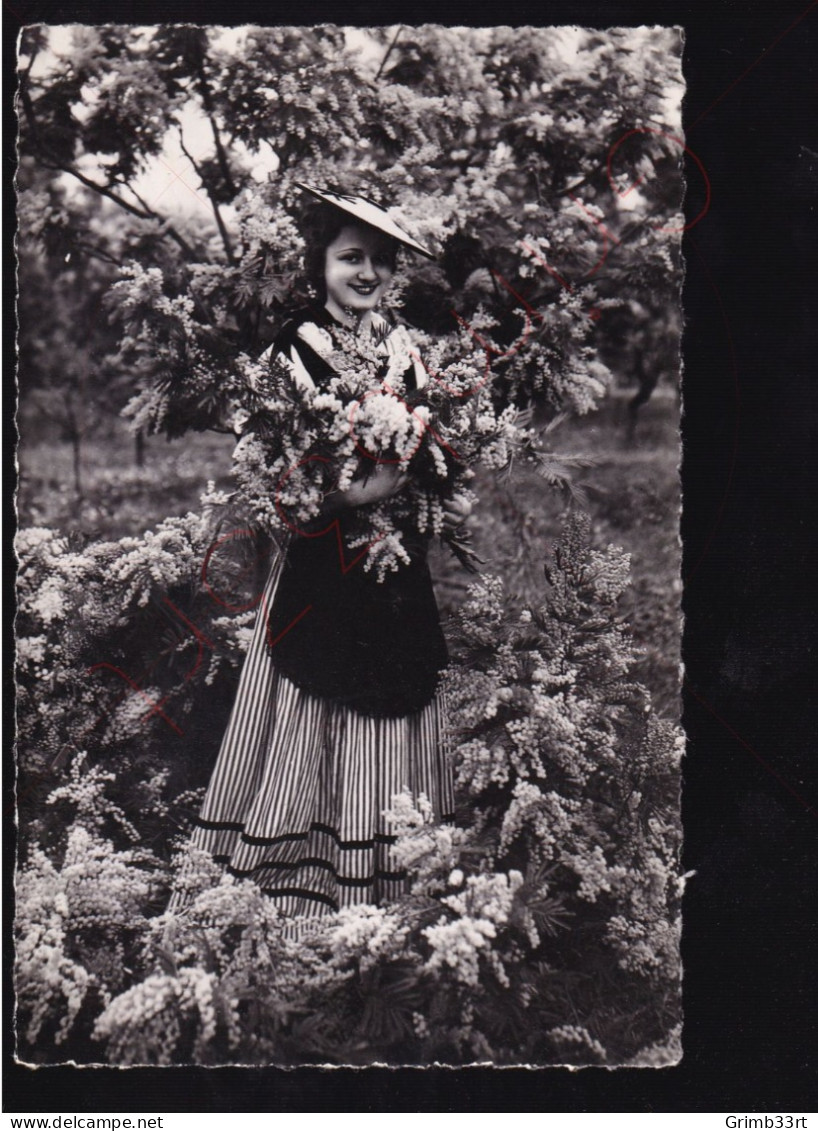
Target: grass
119, 497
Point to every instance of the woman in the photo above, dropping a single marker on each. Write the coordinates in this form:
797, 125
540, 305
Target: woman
338, 707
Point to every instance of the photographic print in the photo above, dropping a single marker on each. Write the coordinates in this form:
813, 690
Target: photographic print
348, 623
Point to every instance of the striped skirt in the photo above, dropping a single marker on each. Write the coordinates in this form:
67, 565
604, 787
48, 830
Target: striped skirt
296, 800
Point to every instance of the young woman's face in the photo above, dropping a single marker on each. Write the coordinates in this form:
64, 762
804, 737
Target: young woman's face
358, 270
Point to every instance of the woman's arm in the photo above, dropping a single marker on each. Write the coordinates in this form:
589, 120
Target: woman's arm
384, 482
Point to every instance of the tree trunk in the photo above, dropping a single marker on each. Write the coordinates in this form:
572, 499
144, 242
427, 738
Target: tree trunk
139, 449
76, 451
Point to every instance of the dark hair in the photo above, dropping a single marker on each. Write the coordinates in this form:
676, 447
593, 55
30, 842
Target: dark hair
320, 225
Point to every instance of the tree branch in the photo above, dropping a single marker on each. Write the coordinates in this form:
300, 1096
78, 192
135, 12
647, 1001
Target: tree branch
34, 54
51, 161
228, 246
388, 52
207, 101
97, 252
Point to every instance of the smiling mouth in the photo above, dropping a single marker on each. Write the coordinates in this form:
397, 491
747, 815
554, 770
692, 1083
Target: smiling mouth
361, 290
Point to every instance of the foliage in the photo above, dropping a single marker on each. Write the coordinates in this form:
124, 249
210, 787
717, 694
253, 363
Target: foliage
80, 913
542, 166
542, 927
129, 650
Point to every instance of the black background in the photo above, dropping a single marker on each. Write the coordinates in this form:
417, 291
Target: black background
751, 803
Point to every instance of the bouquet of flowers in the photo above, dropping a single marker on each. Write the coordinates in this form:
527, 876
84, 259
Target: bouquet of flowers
303, 442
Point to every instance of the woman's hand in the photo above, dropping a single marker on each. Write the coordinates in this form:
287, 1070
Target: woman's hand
455, 512
384, 482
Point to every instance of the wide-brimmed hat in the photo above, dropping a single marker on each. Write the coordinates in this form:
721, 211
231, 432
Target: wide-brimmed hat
367, 212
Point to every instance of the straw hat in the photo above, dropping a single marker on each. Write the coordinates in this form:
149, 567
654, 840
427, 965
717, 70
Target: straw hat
367, 212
